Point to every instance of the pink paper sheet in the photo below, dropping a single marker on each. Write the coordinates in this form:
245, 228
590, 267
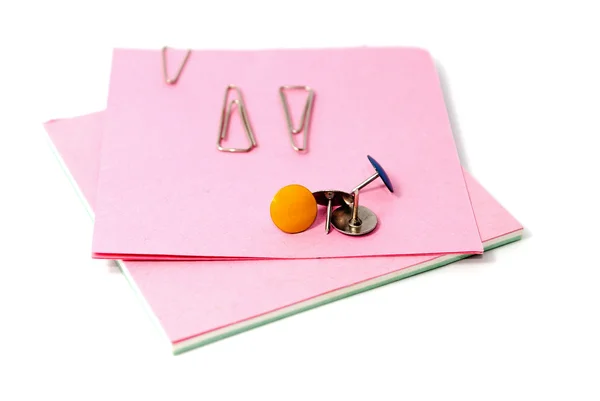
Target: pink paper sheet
193, 298
165, 190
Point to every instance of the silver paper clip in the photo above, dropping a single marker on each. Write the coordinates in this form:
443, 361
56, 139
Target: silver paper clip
226, 116
173, 81
304, 119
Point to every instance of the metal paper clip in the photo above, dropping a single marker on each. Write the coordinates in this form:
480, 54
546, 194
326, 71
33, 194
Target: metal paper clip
173, 81
226, 116
304, 119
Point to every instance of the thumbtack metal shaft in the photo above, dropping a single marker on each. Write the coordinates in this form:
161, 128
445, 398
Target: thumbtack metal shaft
366, 182
355, 221
329, 196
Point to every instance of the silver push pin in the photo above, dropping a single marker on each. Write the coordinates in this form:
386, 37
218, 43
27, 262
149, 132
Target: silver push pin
379, 172
332, 199
355, 219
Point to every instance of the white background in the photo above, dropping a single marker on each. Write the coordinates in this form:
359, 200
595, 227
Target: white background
522, 85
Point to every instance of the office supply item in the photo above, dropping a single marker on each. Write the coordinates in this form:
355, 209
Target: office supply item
160, 174
379, 172
173, 81
329, 209
304, 119
354, 219
293, 209
195, 303
331, 199
226, 117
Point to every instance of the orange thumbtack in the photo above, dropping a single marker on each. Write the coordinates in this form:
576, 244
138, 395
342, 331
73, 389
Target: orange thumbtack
293, 209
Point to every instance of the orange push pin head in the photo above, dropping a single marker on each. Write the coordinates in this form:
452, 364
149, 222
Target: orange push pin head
293, 209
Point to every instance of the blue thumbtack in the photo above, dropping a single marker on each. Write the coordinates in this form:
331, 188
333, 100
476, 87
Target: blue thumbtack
379, 172
355, 219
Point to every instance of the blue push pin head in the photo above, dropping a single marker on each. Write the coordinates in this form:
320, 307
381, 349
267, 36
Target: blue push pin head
379, 172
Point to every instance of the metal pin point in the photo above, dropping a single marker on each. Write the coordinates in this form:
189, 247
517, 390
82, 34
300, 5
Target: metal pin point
379, 172
355, 220
329, 196
332, 199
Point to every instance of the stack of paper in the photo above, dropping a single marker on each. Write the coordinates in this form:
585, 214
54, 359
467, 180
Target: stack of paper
190, 224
